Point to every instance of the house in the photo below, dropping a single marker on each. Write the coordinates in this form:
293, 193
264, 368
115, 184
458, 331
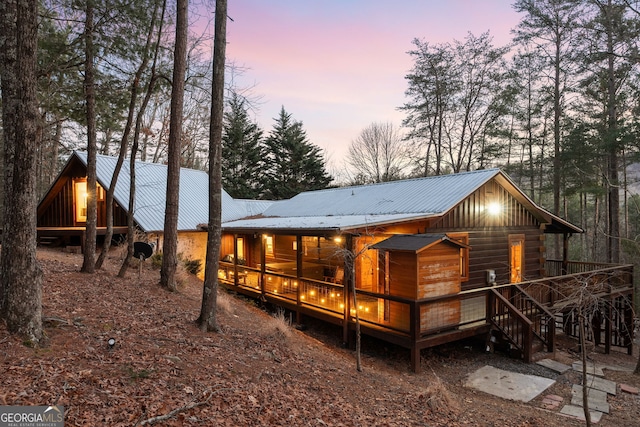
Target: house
421, 262
417, 263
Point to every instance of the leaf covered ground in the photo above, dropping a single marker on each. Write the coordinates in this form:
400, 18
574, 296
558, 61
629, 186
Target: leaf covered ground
256, 372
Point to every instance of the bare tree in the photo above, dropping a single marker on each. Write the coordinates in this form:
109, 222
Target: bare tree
378, 154
170, 238
207, 319
20, 274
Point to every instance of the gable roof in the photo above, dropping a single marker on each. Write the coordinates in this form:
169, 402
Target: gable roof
151, 188
415, 242
341, 209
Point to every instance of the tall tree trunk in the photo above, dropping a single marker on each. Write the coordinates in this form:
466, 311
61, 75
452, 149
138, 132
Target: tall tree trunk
557, 166
88, 264
124, 142
613, 235
208, 320
20, 274
170, 238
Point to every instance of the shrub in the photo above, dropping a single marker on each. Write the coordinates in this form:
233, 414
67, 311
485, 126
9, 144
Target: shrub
192, 265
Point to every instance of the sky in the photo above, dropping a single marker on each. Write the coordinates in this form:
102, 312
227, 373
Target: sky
339, 65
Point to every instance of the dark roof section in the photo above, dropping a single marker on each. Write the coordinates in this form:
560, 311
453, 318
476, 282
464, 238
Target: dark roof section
415, 242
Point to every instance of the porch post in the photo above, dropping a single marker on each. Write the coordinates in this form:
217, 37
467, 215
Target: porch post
298, 275
349, 275
235, 259
565, 252
263, 266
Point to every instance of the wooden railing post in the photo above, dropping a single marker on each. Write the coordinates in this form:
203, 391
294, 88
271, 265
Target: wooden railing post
414, 332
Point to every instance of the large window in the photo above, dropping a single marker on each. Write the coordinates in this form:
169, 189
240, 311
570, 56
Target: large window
516, 257
80, 200
268, 245
464, 254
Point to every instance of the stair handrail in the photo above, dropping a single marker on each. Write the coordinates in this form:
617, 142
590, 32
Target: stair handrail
527, 336
549, 341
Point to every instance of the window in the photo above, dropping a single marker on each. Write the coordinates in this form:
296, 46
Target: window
464, 254
268, 245
516, 257
240, 247
80, 200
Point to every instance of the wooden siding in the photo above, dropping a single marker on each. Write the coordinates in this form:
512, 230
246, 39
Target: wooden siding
439, 271
403, 274
472, 212
59, 210
489, 234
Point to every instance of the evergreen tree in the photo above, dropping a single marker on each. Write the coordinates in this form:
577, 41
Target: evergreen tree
241, 152
294, 164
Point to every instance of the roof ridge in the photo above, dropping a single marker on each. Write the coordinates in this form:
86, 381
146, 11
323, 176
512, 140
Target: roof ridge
420, 178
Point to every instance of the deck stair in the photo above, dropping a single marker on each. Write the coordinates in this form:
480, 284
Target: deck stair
520, 320
49, 241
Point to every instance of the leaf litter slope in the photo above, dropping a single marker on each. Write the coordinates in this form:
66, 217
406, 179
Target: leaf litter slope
256, 372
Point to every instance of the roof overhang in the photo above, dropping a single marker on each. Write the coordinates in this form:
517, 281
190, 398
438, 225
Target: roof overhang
415, 242
319, 224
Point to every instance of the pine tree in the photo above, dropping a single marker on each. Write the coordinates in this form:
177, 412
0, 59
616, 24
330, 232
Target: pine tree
294, 164
242, 162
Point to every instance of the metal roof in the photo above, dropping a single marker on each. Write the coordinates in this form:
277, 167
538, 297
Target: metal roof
322, 223
432, 195
368, 205
414, 242
378, 204
151, 188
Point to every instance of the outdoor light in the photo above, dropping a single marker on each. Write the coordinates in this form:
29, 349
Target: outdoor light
111, 342
494, 208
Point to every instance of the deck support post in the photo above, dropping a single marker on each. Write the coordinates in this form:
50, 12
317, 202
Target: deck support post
414, 332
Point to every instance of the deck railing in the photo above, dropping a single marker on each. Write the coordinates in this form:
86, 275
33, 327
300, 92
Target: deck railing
429, 316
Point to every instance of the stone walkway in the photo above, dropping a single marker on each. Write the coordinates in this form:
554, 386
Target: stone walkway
514, 386
598, 388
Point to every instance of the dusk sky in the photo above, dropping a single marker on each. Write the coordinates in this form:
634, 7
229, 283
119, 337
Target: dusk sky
339, 65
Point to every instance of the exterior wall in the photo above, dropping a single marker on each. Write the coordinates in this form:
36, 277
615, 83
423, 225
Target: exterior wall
438, 271
489, 235
403, 274
57, 209
191, 245
438, 275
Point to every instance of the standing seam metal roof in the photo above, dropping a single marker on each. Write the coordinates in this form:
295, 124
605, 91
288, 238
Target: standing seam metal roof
151, 187
431, 195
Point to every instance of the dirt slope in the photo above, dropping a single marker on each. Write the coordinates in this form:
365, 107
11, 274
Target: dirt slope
257, 372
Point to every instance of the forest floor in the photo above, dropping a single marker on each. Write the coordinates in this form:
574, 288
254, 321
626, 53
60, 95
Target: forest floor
257, 372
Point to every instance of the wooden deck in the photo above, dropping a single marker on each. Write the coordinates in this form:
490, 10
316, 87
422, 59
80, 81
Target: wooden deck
523, 309
46, 234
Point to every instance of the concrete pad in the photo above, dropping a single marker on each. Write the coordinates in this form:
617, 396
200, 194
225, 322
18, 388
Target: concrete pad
591, 368
508, 385
601, 384
578, 412
596, 399
558, 367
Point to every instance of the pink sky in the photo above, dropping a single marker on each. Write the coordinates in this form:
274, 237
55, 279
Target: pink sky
339, 65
